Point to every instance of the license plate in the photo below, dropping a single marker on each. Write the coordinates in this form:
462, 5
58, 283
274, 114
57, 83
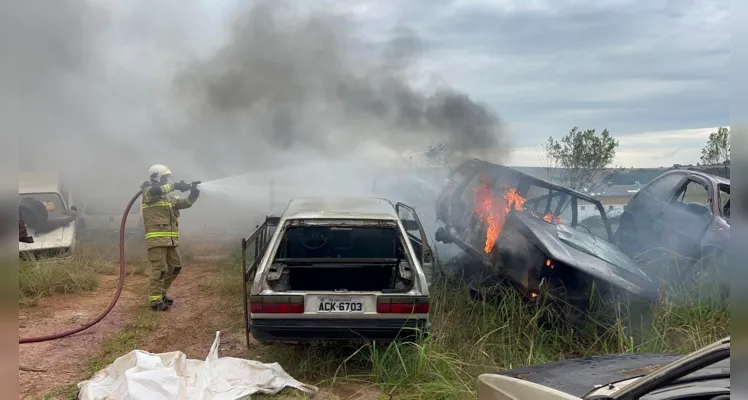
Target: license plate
341, 306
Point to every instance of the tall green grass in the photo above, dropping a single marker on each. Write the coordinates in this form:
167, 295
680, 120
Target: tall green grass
472, 337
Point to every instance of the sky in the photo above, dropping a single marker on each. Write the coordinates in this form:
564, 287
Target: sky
654, 73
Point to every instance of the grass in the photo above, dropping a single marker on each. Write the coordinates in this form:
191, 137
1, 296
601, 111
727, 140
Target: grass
474, 337
42, 278
469, 338
116, 345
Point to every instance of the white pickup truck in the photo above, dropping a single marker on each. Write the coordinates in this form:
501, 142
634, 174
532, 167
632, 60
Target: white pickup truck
46, 209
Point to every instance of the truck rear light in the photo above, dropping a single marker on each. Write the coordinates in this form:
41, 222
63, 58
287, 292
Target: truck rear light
277, 304
395, 305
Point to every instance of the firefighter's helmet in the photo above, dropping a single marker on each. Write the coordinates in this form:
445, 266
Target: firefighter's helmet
157, 171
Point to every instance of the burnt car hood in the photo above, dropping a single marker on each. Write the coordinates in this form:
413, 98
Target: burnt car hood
579, 376
596, 257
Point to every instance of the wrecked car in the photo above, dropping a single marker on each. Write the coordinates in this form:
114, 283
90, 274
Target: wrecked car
104, 217
686, 213
703, 374
337, 269
47, 211
534, 236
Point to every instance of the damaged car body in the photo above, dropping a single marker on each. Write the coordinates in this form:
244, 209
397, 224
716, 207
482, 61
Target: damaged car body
337, 269
45, 207
533, 235
685, 213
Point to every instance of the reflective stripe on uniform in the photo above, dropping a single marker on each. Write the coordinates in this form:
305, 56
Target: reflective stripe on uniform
157, 297
152, 235
157, 204
166, 188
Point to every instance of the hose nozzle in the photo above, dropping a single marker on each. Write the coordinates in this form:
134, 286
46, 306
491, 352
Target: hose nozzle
194, 184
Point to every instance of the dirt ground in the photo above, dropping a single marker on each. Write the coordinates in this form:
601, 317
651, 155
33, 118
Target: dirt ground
63, 359
189, 326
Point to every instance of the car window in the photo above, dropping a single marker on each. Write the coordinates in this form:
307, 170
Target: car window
590, 219
339, 242
664, 186
463, 172
694, 194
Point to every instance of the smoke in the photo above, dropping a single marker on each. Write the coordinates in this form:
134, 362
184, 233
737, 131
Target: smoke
289, 80
110, 88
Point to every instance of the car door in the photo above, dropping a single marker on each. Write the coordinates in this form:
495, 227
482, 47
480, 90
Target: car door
687, 216
94, 220
418, 239
647, 206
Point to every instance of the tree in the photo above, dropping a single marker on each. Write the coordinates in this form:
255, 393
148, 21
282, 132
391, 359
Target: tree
583, 156
438, 155
717, 149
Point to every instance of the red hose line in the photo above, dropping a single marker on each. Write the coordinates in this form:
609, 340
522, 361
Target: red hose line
120, 284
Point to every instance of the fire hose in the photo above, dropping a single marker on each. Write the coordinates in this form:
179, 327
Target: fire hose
120, 284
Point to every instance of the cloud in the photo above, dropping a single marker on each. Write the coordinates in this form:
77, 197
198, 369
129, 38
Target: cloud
642, 150
626, 65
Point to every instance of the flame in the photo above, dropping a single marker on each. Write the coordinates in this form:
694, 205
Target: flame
495, 214
551, 218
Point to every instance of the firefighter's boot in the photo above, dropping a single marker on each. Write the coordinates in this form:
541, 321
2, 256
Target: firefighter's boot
160, 306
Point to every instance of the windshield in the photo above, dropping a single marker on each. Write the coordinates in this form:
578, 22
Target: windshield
341, 242
566, 209
51, 201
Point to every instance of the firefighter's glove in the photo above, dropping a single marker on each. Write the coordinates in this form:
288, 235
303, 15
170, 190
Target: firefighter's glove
194, 194
182, 186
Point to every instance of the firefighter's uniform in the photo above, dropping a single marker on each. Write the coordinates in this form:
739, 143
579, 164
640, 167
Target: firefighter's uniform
161, 220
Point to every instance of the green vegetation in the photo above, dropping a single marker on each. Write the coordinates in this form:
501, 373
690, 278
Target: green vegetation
47, 277
42, 278
473, 337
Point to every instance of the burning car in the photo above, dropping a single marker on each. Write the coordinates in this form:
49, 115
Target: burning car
533, 235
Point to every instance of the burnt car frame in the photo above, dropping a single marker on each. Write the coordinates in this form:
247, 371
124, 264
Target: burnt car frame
682, 212
542, 244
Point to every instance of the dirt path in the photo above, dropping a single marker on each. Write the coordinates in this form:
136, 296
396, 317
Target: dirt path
63, 359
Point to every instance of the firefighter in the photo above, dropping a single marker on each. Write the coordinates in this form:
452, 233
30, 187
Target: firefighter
160, 218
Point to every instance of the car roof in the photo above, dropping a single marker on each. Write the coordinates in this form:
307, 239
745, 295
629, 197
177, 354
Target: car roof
714, 178
558, 187
373, 208
38, 182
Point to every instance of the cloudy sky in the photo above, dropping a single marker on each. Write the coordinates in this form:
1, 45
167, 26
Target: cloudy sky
653, 72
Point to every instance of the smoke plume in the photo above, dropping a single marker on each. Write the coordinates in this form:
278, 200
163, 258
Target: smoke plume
107, 89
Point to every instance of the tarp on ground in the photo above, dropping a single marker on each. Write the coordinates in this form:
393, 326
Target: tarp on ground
140, 375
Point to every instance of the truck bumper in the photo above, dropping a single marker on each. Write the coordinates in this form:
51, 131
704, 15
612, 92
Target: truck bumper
337, 330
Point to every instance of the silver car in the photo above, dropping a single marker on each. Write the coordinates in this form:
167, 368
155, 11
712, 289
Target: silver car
337, 269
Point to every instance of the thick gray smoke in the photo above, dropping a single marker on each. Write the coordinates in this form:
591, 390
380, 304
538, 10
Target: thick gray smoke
107, 89
295, 80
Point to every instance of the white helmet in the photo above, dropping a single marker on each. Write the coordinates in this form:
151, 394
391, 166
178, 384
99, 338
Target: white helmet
157, 171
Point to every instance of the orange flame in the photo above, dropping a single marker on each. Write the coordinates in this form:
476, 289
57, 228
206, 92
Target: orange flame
552, 218
495, 214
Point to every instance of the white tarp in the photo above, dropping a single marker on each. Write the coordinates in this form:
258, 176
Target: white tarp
140, 375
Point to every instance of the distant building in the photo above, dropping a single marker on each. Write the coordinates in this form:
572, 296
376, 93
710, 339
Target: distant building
613, 198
